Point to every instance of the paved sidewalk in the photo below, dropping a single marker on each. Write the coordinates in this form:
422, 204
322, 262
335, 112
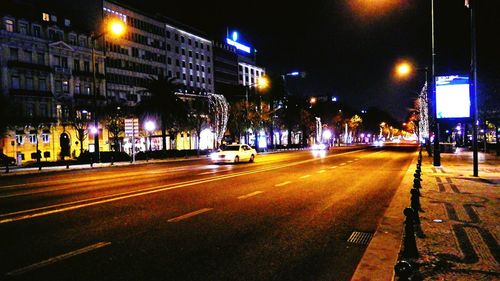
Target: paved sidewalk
459, 222
460, 219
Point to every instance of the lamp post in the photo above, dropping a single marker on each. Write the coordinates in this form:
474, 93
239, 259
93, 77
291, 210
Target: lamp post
261, 84
117, 28
150, 126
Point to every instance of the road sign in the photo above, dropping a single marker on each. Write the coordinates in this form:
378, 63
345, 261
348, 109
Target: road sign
131, 127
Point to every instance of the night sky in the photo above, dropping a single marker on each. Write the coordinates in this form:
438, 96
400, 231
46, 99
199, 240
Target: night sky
348, 48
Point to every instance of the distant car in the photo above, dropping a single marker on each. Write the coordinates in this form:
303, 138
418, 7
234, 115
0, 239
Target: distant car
4, 159
233, 153
319, 146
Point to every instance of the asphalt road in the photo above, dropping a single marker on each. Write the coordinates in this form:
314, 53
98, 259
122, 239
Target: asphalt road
287, 216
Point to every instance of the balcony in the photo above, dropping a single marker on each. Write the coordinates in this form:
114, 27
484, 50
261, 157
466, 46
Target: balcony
62, 70
30, 93
87, 74
28, 65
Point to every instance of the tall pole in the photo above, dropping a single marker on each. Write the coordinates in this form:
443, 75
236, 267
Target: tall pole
437, 156
472, 6
94, 89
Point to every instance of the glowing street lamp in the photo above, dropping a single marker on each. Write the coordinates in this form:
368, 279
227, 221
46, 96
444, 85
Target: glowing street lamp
116, 28
404, 69
150, 126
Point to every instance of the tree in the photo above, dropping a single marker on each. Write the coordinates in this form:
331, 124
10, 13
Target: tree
354, 124
238, 119
166, 104
306, 124
80, 121
114, 121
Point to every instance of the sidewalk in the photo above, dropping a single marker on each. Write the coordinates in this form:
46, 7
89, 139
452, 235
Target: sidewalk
459, 222
34, 170
460, 219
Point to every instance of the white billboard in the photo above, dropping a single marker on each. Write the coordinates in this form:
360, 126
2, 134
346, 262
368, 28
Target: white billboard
452, 96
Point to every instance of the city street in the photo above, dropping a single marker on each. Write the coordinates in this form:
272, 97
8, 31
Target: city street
287, 216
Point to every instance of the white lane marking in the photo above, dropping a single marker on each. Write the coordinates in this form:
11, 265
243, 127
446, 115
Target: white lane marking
63, 207
333, 167
350, 161
283, 183
305, 177
342, 164
356, 159
321, 171
250, 194
58, 258
189, 215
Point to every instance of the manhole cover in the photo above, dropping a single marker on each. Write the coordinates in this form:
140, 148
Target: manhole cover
361, 238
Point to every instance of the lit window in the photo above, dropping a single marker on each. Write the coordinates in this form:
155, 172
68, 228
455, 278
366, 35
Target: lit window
45, 138
67, 22
32, 138
53, 18
9, 25
65, 86
20, 139
45, 17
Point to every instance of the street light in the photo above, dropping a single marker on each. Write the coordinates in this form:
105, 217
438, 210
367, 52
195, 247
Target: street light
150, 126
117, 28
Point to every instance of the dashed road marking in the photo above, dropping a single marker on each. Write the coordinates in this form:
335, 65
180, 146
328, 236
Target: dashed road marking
342, 164
333, 167
283, 183
207, 173
305, 177
321, 171
250, 194
350, 161
356, 159
189, 215
58, 258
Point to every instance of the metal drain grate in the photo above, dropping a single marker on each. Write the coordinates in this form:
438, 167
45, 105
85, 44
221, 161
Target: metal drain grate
361, 238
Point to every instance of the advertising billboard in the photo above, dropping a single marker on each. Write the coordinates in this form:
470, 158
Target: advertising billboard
452, 96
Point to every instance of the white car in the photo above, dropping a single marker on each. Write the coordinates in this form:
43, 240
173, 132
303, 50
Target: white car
233, 153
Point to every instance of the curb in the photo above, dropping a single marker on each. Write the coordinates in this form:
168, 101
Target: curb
381, 254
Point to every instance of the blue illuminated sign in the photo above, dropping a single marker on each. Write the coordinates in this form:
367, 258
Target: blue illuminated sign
452, 97
233, 41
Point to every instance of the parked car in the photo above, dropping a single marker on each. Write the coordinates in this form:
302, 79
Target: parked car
233, 153
4, 159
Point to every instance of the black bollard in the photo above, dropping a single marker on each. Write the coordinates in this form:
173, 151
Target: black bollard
415, 201
416, 183
410, 250
112, 160
403, 270
417, 176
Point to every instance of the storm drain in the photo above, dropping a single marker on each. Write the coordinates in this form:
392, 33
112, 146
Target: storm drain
361, 238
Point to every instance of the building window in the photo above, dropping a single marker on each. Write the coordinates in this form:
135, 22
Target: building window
67, 22
168, 34
189, 41
169, 60
177, 62
14, 54
76, 65
45, 138
72, 39
14, 80
28, 56
86, 66
32, 138
45, 17
87, 90
23, 28
183, 52
208, 47
190, 66
40, 57
196, 44
208, 58
176, 49
29, 83
43, 109
58, 86
19, 139
183, 39
9, 25
77, 88
57, 60
65, 86
42, 85
37, 31
176, 37
209, 70
190, 54
64, 62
